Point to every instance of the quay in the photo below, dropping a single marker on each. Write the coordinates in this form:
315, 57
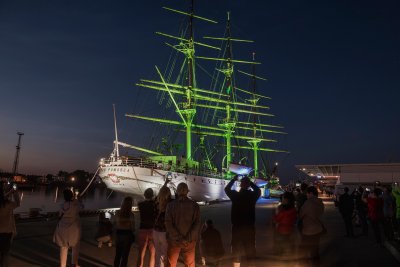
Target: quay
33, 245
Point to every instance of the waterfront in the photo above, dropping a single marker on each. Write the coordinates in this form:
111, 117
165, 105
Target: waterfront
33, 245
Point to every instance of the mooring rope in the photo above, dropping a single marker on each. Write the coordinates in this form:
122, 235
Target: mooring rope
87, 187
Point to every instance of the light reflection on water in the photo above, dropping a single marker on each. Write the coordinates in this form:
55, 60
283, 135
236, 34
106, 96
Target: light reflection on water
49, 199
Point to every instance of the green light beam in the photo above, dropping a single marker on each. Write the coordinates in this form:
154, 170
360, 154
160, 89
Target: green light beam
229, 60
251, 75
247, 92
160, 88
140, 149
187, 14
171, 122
172, 97
262, 149
233, 136
186, 40
253, 112
260, 130
183, 88
228, 39
199, 97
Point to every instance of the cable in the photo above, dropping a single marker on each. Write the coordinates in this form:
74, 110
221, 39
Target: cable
87, 187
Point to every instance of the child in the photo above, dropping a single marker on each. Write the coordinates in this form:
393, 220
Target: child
285, 220
105, 230
211, 245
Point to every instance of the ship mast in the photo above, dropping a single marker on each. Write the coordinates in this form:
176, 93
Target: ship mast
116, 149
229, 123
188, 109
187, 97
254, 143
256, 127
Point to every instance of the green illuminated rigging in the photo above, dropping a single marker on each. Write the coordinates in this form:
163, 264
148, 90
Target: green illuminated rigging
235, 114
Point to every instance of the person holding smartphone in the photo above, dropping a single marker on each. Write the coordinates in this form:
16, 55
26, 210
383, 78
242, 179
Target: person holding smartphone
68, 232
7, 222
243, 214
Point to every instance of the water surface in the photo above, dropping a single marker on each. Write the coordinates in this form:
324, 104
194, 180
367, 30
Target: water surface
49, 199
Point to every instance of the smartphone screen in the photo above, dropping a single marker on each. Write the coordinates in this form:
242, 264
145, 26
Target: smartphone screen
239, 169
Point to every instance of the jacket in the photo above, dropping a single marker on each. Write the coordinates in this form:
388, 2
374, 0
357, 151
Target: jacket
375, 208
346, 204
68, 231
243, 211
310, 214
147, 210
211, 243
182, 220
396, 194
285, 221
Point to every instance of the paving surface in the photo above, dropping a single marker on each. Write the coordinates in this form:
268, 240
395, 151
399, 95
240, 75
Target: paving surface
33, 246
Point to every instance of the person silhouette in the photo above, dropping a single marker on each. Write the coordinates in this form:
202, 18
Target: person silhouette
182, 222
243, 214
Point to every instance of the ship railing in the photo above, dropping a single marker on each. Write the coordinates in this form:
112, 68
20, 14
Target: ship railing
211, 173
123, 161
147, 163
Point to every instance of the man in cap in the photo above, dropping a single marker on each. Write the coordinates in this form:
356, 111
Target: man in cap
182, 222
243, 214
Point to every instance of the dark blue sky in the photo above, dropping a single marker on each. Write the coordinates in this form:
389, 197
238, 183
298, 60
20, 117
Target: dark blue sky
333, 70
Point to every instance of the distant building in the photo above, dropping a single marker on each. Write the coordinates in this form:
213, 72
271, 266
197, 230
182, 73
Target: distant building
59, 178
353, 174
19, 179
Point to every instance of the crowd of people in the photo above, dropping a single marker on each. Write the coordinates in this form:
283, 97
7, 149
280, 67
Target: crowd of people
170, 227
378, 208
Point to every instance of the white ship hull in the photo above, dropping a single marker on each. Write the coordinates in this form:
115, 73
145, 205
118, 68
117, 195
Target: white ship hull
135, 180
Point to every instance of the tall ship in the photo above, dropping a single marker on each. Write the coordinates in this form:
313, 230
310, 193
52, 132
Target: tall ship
207, 120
